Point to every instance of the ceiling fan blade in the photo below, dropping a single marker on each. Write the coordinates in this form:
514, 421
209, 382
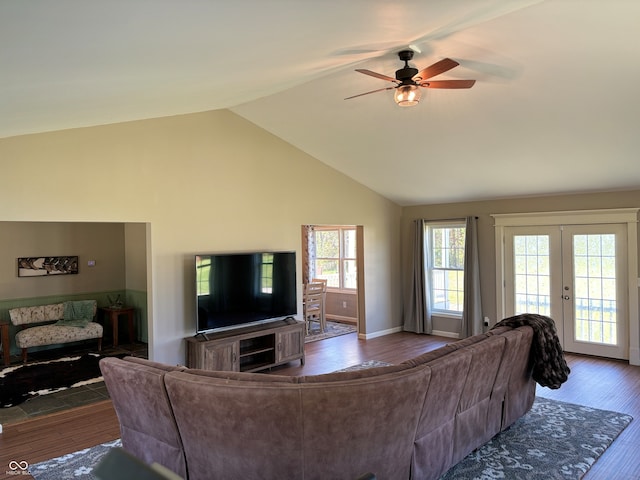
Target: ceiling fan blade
437, 68
448, 84
367, 93
377, 75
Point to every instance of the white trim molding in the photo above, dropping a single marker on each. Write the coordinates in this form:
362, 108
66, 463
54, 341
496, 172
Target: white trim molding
444, 333
628, 216
379, 333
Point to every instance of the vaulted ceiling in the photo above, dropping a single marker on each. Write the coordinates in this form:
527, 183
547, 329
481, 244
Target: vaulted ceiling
555, 108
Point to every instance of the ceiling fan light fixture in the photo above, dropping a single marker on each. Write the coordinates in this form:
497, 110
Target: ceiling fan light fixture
407, 95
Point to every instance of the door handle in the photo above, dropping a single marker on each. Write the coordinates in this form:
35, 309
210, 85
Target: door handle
567, 297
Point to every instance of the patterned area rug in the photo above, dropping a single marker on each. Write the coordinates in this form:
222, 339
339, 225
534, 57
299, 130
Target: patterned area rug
78, 465
365, 365
334, 329
555, 440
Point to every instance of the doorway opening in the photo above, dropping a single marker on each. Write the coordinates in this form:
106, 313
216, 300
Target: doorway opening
334, 254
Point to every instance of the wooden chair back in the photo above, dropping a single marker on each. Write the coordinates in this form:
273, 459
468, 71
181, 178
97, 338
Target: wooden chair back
313, 301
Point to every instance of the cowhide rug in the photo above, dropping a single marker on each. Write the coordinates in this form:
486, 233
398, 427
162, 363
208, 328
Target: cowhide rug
21, 382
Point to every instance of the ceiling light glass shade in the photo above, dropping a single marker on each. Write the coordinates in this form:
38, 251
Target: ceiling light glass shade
407, 95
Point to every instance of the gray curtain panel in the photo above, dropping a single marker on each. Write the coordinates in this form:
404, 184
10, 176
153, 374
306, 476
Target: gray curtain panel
417, 314
472, 323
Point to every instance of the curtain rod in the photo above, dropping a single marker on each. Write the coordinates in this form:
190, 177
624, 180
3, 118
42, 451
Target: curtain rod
447, 219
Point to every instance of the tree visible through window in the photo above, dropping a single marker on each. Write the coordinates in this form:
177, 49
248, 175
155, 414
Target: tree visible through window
445, 253
335, 259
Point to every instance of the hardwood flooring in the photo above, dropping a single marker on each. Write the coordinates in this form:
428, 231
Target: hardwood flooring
56, 434
595, 382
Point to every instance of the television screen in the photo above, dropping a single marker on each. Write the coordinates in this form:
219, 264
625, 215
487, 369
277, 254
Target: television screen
236, 289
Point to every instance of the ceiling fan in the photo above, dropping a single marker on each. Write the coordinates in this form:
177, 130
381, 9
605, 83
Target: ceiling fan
409, 80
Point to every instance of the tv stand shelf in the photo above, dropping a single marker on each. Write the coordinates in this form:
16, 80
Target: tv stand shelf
248, 349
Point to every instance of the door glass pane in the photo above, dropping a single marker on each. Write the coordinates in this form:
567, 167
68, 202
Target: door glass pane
532, 274
594, 261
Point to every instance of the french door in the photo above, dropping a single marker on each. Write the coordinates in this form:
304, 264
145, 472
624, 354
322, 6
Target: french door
575, 274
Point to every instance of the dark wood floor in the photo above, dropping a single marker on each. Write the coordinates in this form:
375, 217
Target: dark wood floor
599, 383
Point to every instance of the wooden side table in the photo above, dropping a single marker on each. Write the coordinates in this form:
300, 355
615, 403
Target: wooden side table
6, 344
114, 314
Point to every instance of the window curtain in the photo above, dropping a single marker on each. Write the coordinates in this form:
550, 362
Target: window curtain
472, 323
417, 311
308, 253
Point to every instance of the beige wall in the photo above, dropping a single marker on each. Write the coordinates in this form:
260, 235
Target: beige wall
103, 243
135, 256
486, 237
202, 182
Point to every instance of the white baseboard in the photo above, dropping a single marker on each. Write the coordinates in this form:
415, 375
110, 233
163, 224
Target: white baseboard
339, 318
381, 333
443, 333
634, 356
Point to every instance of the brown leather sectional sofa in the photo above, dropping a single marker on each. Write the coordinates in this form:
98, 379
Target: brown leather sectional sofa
413, 420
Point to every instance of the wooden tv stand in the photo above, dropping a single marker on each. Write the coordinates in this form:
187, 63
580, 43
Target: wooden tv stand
248, 349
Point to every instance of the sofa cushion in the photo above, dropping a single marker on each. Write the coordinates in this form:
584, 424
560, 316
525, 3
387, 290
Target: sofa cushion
147, 426
429, 356
348, 375
151, 363
264, 429
349, 425
37, 314
320, 378
54, 334
521, 389
471, 428
243, 376
435, 433
510, 356
447, 349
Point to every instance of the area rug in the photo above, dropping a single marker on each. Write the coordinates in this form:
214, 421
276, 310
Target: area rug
365, 365
21, 382
78, 465
334, 329
555, 440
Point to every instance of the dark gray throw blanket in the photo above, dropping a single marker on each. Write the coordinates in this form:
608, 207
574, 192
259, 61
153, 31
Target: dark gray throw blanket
549, 366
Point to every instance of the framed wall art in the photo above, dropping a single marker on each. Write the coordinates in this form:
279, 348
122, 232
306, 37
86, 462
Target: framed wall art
45, 266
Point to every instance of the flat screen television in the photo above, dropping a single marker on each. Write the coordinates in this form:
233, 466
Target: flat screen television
239, 289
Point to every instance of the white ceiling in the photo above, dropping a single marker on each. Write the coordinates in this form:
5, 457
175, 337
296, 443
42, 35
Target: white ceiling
555, 108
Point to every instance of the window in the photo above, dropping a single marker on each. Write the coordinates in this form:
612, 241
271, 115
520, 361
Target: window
444, 252
335, 259
266, 274
203, 273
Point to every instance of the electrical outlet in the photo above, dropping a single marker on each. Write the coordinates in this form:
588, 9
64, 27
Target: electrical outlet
486, 321
344, 304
